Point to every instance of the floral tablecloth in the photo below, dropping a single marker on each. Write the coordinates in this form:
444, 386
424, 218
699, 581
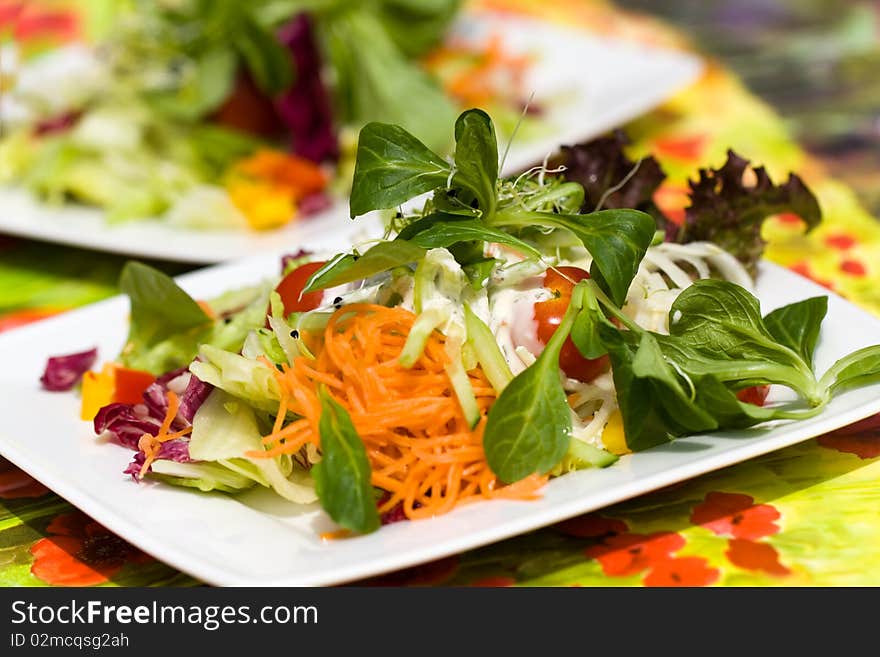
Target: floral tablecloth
806, 515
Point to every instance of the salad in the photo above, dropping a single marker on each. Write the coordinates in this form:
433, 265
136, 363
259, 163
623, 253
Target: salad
505, 331
225, 115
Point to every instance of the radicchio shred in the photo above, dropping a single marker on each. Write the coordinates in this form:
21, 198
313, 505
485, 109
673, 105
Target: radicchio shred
64, 372
126, 423
305, 107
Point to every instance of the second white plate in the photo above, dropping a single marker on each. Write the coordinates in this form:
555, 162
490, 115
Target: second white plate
586, 85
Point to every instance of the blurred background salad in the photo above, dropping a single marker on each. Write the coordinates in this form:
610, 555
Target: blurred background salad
225, 114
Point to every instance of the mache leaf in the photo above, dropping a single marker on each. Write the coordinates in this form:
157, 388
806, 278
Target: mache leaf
476, 158
859, 368
528, 429
617, 240
648, 400
585, 331
720, 317
443, 234
342, 477
797, 325
392, 167
661, 396
350, 267
160, 309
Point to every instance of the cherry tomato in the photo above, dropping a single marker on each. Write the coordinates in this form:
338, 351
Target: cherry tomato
249, 110
549, 315
756, 395
291, 287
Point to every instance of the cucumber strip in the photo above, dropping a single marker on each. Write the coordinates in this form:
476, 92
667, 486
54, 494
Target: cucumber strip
461, 382
483, 343
584, 454
419, 334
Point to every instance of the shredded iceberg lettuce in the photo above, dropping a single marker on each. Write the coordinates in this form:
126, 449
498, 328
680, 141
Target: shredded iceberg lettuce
225, 431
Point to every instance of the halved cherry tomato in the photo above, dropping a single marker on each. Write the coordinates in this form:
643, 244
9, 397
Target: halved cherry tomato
549, 315
291, 286
249, 110
756, 395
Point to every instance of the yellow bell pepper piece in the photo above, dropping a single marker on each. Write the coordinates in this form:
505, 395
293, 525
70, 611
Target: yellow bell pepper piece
613, 437
265, 205
97, 391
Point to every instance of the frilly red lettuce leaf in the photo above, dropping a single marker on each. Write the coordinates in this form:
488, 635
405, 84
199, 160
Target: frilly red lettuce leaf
601, 165
730, 213
723, 209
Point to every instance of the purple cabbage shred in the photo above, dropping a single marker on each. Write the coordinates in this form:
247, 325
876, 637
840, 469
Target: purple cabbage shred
64, 372
288, 258
127, 423
305, 107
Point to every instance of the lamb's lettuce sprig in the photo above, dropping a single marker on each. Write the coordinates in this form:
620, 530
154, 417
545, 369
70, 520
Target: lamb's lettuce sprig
718, 343
667, 385
470, 206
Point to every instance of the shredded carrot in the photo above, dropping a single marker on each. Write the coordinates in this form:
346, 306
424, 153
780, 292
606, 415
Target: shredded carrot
336, 535
150, 445
478, 76
421, 449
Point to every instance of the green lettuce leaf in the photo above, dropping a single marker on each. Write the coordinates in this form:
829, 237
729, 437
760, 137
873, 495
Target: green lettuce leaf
203, 476
247, 379
225, 430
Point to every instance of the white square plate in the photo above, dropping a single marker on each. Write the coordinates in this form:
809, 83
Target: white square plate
586, 85
258, 539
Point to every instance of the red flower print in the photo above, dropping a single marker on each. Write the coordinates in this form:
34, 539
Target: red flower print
80, 552
755, 556
31, 23
591, 525
494, 581
864, 446
733, 514
9, 12
789, 218
840, 241
672, 200
853, 268
869, 424
682, 571
804, 270
15, 484
22, 317
681, 148
861, 438
628, 554
426, 574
